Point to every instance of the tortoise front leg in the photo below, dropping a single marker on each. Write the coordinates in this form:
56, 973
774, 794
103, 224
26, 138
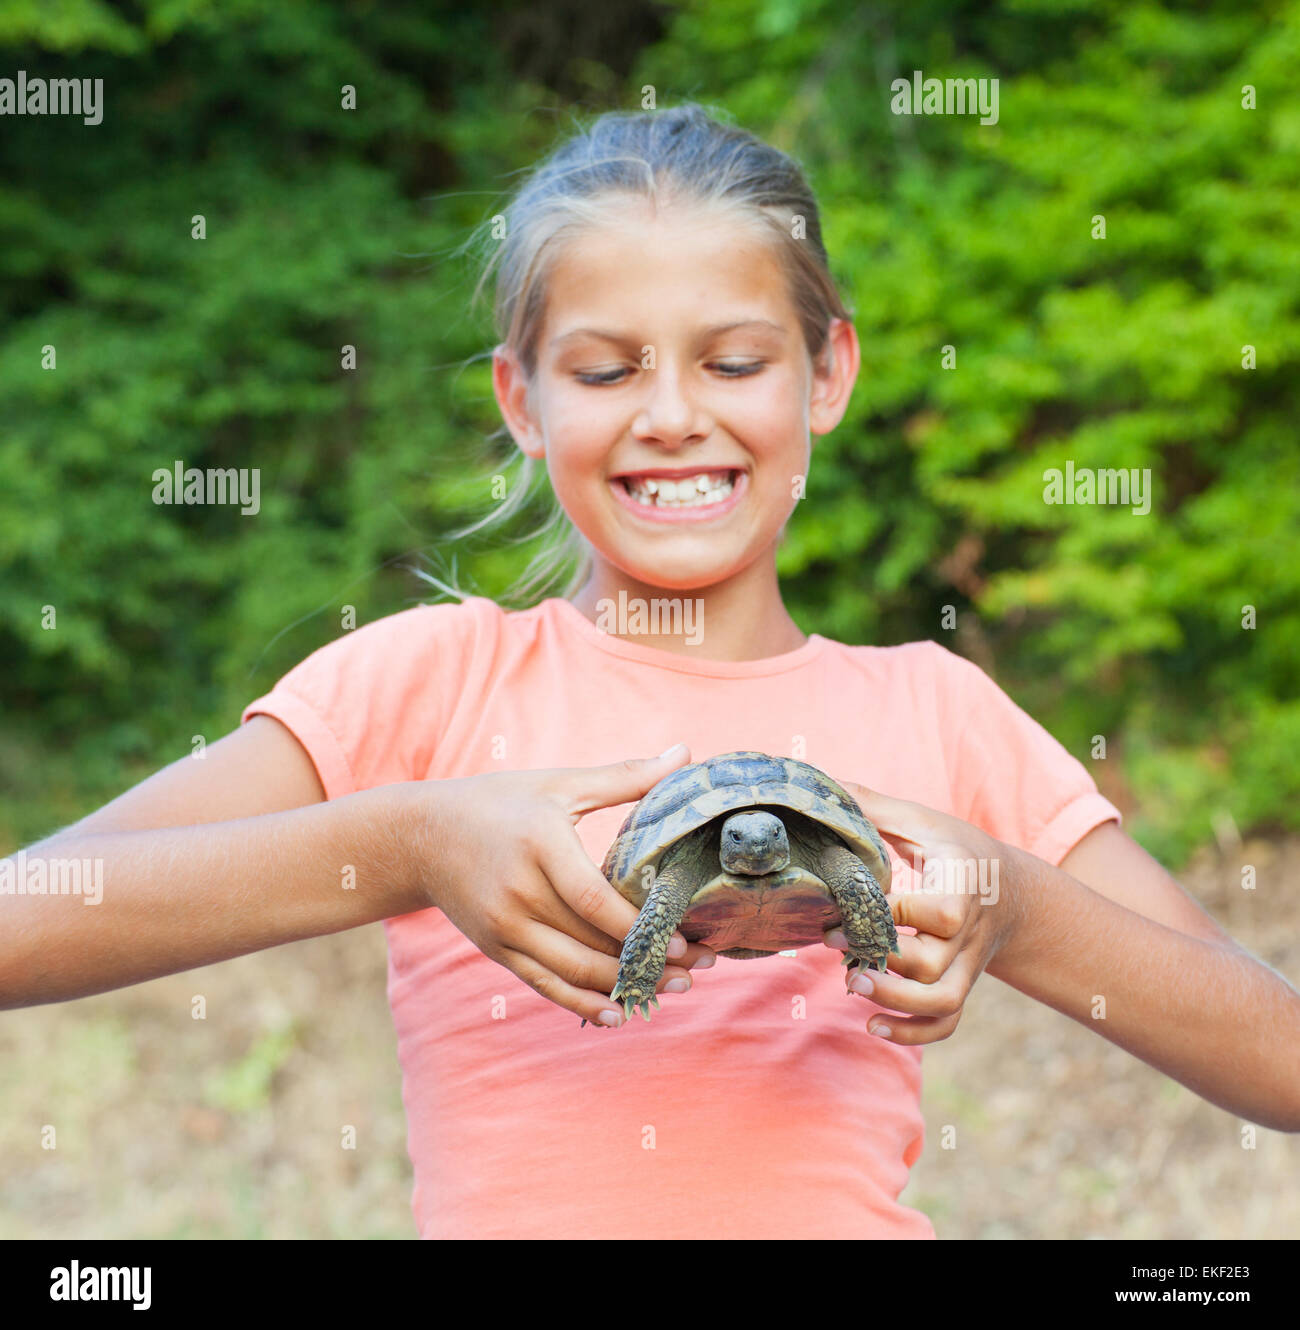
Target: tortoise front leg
645, 949
867, 921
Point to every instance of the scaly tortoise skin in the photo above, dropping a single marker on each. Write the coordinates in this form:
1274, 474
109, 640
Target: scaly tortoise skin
750, 855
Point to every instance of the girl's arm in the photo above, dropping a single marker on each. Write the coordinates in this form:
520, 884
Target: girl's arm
1179, 993
208, 859
1109, 939
217, 857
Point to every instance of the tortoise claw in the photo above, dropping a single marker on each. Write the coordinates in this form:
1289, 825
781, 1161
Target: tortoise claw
868, 962
633, 1000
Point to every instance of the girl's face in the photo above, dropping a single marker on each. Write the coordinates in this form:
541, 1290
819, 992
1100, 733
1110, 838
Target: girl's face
674, 396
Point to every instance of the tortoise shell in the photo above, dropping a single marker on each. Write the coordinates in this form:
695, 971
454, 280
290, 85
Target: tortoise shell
774, 912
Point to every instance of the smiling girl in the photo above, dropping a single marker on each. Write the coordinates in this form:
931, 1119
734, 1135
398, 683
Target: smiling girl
671, 341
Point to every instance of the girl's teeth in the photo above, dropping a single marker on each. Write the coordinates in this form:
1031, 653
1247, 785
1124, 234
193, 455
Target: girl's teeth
689, 492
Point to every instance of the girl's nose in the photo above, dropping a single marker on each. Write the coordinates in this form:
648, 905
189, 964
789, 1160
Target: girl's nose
669, 414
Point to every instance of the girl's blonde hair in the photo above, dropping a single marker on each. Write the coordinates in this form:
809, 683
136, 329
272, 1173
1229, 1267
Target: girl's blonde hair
680, 154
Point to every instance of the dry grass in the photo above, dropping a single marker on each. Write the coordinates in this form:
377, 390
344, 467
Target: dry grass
1060, 1134
231, 1126
225, 1127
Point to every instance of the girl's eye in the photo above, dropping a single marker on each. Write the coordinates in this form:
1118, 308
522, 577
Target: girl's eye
729, 369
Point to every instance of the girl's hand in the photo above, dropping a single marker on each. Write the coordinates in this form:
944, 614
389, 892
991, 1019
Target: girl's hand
960, 904
498, 855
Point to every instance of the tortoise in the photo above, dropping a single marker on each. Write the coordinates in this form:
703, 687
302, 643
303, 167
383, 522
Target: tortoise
750, 855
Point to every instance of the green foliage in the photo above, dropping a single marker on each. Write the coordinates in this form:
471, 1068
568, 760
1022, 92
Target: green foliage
327, 228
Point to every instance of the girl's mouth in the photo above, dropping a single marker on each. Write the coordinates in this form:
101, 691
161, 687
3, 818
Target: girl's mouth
694, 497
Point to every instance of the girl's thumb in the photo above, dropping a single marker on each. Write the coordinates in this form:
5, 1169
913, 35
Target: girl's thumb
623, 782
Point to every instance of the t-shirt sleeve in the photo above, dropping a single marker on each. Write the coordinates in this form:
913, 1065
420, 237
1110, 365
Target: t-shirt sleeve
370, 706
1008, 775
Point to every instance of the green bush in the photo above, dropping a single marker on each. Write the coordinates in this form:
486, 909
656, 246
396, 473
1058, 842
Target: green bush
327, 228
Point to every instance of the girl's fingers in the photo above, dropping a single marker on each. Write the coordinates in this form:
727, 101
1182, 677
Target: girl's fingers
582, 1002
593, 911
573, 975
939, 915
585, 789
912, 1030
920, 957
558, 914
938, 998
591, 902
582, 966
895, 819
908, 853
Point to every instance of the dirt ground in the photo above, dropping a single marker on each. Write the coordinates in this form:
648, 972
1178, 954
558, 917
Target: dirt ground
234, 1130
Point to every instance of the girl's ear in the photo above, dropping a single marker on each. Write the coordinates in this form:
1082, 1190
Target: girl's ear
834, 377
510, 384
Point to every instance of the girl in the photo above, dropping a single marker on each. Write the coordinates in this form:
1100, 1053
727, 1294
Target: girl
671, 339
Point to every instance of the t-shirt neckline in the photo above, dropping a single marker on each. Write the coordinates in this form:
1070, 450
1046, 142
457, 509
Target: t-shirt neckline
572, 618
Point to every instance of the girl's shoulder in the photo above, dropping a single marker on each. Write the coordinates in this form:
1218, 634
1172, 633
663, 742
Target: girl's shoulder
393, 658
443, 619
921, 657
960, 694
370, 705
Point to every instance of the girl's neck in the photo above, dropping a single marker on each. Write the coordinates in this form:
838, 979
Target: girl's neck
743, 618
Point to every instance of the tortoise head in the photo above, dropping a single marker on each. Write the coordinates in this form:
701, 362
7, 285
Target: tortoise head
754, 842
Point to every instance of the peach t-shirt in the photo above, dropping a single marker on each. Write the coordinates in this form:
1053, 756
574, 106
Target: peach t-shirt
755, 1106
